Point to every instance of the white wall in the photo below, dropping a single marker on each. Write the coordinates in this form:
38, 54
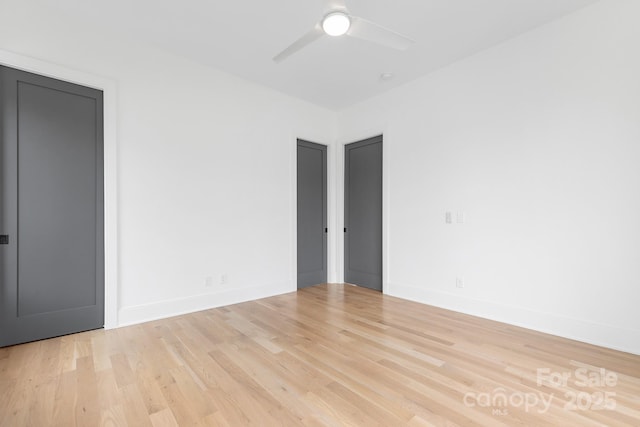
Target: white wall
537, 141
206, 167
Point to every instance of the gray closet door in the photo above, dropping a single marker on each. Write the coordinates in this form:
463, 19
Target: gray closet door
363, 213
312, 214
52, 256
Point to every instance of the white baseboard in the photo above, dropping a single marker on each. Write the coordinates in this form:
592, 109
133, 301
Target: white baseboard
627, 340
175, 307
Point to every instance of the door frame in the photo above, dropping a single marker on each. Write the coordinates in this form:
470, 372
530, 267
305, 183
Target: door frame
108, 87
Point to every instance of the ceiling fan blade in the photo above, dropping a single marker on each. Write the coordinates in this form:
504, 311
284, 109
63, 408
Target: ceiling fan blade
363, 29
303, 41
334, 5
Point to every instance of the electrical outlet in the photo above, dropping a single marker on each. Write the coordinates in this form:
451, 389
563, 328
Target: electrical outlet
208, 282
459, 282
224, 279
448, 218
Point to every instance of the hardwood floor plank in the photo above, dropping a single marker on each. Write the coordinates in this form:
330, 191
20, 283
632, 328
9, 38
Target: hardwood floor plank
133, 406
122, 370
163, 418
109, 394
87, 408
65, 400
113, 417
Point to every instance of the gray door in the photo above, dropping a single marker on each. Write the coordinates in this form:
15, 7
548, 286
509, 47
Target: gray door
363, 213
51, 211
312, 214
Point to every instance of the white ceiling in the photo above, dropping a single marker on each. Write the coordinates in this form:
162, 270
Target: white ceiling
242, 36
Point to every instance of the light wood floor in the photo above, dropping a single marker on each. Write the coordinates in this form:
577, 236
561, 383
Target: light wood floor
329, 355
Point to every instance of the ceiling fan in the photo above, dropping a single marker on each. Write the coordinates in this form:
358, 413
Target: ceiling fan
337, 22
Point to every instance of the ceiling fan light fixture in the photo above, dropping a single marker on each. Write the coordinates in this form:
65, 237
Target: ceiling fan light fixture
336, 24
